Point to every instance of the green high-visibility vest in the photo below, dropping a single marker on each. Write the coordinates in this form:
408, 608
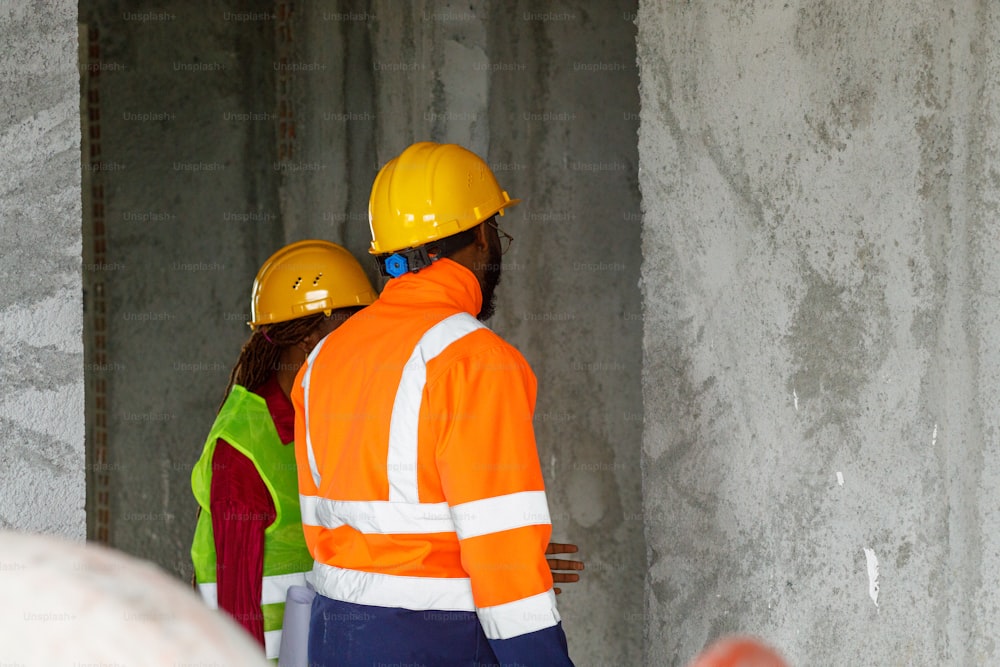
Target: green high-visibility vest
245, 423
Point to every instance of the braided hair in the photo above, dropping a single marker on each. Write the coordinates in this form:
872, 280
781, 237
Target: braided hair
261, 354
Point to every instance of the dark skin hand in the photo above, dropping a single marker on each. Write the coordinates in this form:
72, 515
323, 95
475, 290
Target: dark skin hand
563, 570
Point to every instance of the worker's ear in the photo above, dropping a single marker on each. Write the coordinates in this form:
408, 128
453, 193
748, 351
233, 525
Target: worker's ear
309, 342
482, 239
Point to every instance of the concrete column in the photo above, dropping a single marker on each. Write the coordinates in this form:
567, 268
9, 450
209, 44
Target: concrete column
186, 121
326, 87
563, 120
41, 353
431, 79
821, 359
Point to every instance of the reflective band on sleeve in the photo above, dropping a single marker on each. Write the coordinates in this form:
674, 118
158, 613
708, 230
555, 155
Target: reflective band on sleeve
275, 588
491, 515
386, 590
313, 468
401, 463
272, 642
210, 594
520, 617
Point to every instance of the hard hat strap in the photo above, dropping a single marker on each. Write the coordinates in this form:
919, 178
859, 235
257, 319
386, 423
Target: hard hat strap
414, 259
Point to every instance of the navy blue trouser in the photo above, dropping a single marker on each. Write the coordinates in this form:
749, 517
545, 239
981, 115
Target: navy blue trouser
342, 634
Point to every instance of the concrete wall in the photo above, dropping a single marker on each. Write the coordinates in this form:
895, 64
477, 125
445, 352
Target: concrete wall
821, 363
191, 211
326, 178
563, 122
41, 354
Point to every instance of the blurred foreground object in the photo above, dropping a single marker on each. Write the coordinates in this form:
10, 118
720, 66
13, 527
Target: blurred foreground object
71, 603
738, 652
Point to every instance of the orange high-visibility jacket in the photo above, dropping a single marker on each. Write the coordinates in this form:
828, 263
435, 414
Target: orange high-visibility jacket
418, 472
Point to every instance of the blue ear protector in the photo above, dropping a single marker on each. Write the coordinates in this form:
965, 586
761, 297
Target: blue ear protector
396, 265
404, 261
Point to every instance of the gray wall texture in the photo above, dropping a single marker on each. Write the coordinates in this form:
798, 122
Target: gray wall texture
41, 321
821, 362
187, 131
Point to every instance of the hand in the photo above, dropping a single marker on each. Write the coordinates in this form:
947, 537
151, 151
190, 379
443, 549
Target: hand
558, 565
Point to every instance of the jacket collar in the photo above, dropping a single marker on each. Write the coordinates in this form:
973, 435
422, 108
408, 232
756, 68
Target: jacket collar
444, 282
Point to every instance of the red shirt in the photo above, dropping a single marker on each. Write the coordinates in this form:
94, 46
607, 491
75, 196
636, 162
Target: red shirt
242, 509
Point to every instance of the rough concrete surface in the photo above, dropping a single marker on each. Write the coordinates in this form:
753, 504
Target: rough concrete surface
333, 105
563, 127
820, 352
41, 358
191, 209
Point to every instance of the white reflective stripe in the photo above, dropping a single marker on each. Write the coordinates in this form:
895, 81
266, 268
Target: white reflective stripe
520, 617
306, 377
307, 505
382, 517
491, 515
275, 587
210, 594
387, 590
377, 517
401, 462
272, 642
272, 591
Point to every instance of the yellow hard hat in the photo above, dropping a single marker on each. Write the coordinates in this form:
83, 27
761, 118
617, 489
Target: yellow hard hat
305, 278
429, 192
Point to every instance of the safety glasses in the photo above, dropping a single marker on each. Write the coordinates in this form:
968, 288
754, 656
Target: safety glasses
505, 238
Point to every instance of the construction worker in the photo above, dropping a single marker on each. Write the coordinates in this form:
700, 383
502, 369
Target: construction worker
248, 546
423, 501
